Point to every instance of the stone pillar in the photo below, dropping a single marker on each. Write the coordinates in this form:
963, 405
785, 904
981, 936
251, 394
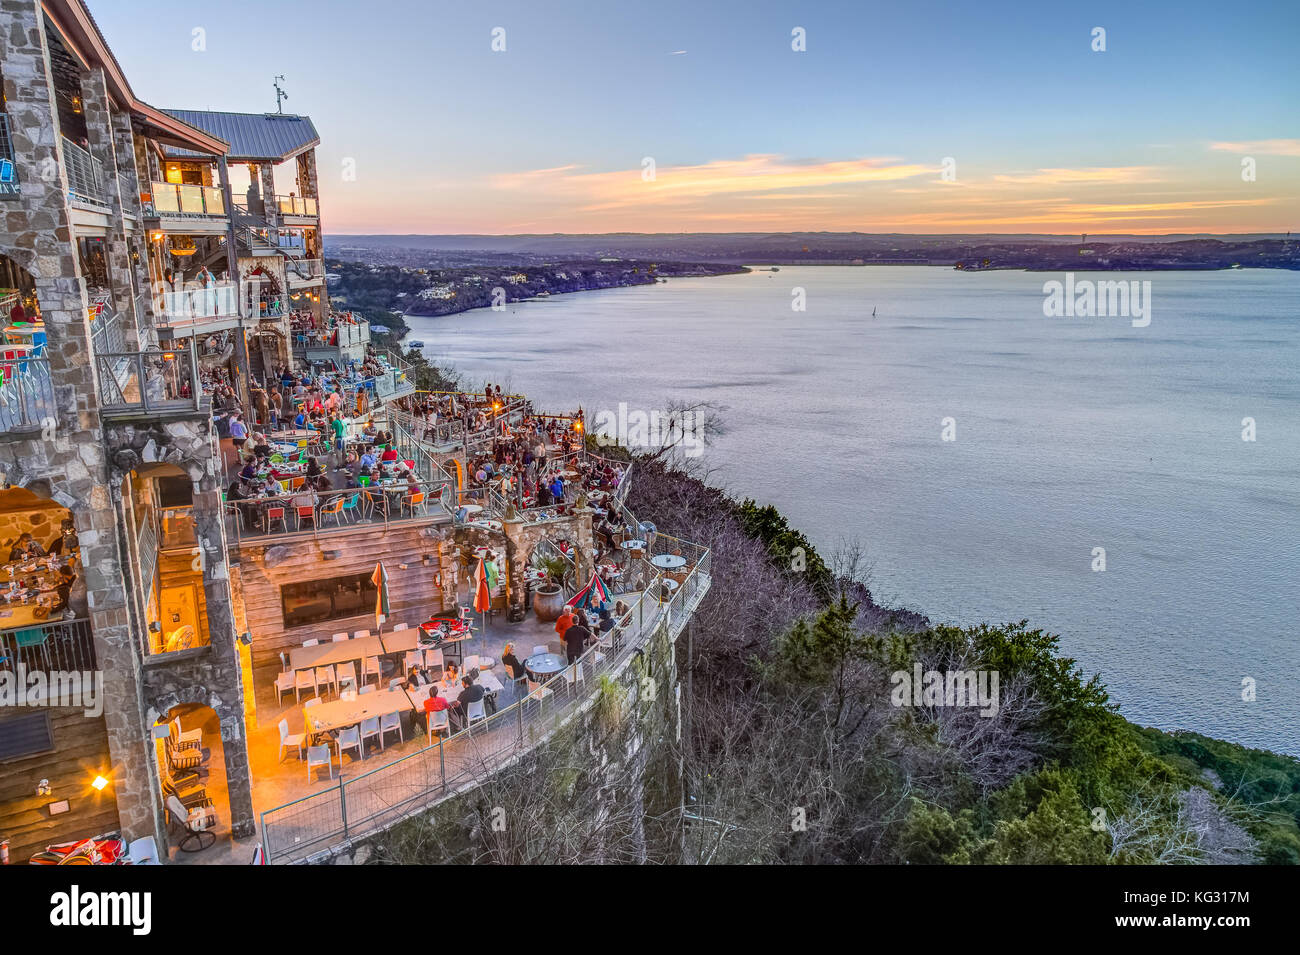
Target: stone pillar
101, 136
72, 458
136, 243
266, 175
210, 532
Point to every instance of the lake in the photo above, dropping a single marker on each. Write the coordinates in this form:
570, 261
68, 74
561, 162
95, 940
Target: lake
1070, 434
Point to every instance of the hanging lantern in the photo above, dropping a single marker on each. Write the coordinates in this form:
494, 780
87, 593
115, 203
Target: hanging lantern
183, 245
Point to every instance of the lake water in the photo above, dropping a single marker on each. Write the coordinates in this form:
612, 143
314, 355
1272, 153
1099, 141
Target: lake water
1071, 434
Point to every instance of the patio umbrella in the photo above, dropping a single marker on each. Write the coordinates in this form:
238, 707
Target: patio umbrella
595, 592
482, 597
380, 579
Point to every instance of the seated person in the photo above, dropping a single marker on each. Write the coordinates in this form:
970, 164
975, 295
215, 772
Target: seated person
390, 454
22, 548
514, 665
417, 677
471, 693
434, 704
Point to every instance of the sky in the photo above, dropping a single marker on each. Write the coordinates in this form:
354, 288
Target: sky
619, 116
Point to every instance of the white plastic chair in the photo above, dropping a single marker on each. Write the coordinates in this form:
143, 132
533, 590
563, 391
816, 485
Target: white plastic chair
304, 680
339, 637
311, 643
439, 722
412, 658
350, 738
475, 712
368, 688
319, 756
360, 634
573, 675
327, 676
284, 680
389, 722
288, 740
143, 851
540, 649
471, 662
346, 674
434, 658
371, 666
370, 728
400, 626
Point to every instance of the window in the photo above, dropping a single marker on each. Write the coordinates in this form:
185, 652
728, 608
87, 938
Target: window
315, 601
28, 735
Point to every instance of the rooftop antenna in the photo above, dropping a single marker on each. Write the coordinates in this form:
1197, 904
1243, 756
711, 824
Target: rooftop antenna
280, 94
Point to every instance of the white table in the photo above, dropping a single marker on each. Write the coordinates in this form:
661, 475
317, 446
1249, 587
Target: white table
668, 561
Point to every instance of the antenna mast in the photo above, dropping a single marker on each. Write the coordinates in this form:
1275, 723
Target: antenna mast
280, 94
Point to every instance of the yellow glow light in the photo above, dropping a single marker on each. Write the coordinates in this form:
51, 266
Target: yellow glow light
99, 782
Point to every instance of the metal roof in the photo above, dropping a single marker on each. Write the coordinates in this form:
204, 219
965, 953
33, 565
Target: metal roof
253, 137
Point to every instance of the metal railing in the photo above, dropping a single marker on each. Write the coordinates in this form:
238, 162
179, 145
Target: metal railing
26, 394
85, 174
359, 807
182, 199
8, 162
197, 306
106, 334
304, 269
322, 512
296, 205
149, 381
66, 645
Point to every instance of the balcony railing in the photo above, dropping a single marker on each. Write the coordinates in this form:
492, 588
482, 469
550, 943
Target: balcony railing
197, 308
106, 329
56, 645
304, 269
85, 175
8, 163
180, 199
296, 205
304, 513
145, 382
26, 394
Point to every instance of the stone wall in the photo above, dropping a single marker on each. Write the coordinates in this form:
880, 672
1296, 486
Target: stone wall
65, 459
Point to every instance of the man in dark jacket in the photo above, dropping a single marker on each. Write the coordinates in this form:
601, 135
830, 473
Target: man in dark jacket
471, 693
575, 640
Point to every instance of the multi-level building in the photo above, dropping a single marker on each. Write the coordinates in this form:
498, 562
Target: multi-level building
134, 282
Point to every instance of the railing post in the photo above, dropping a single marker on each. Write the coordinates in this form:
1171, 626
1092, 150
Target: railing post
442, 764
343, 805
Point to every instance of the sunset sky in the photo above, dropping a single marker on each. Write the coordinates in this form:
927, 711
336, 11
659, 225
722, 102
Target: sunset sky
746, 134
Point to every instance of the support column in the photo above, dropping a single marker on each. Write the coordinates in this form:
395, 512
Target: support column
72, 457
232, 268
103, 147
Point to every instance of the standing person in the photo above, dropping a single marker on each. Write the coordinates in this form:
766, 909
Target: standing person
566, 621
277, 406
575, 640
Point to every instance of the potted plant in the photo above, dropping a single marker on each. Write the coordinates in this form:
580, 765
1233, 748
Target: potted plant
548, 594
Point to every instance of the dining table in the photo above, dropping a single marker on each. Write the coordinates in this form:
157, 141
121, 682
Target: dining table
668, 561
342, 713
543, 666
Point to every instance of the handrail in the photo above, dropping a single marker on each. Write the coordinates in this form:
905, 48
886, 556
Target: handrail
240, 513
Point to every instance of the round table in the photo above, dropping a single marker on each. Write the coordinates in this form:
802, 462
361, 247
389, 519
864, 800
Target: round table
545, 665
633, 545
668, 561
471, 508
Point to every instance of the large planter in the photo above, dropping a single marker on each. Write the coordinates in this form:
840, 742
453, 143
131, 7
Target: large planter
548, 602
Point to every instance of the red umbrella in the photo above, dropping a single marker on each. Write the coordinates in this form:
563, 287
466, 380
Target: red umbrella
594, 592
482, 597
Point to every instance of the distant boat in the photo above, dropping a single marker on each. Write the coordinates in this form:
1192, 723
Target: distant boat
873, 311
415, 344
